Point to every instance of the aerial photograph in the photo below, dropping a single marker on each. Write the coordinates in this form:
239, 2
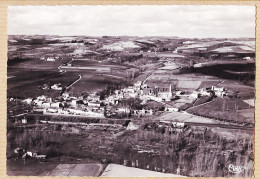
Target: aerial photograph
131, 91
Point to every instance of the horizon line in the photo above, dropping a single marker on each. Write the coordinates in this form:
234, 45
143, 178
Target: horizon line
126, 36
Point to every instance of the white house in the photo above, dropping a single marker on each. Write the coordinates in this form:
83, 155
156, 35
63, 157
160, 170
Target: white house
220, 94
94, 104
131, 126
214, 88
46, 105
194, 95
60, 111
41, 157
55, 105
198, 65
24, 121
178, 124
28, 100
133, 95
74, 103
93, 97
117, 92
123, 110
204, 92
38, 102
50, 59
51, 110
56, 87
246, 58
42, 98
179, 93
130, 89
65, 95
171, 109
138, 84
144, 86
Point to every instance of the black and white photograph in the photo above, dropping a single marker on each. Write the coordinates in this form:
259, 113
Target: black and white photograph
131, 90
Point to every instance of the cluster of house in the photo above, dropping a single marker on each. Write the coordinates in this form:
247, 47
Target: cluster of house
212, 91
143, 92
29, 153
45, 86
92, 106
172, 125
50, 58
68, 105
160, 93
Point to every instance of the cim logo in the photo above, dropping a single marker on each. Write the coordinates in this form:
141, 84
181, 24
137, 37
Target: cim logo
235, 169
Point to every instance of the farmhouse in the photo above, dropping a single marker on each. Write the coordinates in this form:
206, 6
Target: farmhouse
93, 97
171, 109
130, 89
50, 59
198, 65
65, 95
144, 86
142, 112
46, 105
42, 98
74, 102
56, 87
112, 100
220, 94
138, 84
28, 100
195, 95
247, 58
51, 110
178, 124
179, 93
60, 111
24, 121
214, 88
204, 92
55, 105
123, 110
117, 92
43, 157
93, 104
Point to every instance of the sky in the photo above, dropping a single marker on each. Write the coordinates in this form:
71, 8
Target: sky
134, 20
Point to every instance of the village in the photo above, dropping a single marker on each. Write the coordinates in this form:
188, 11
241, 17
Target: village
93, 106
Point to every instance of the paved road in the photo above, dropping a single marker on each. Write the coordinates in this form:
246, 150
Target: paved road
74, 82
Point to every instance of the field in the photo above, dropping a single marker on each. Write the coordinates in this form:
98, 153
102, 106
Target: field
191, 85
224, 70
26, 83
208, 84
114, 170
184, 117
223, 109
27, 168
37, 64
82, 170
240, 90
93, 82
